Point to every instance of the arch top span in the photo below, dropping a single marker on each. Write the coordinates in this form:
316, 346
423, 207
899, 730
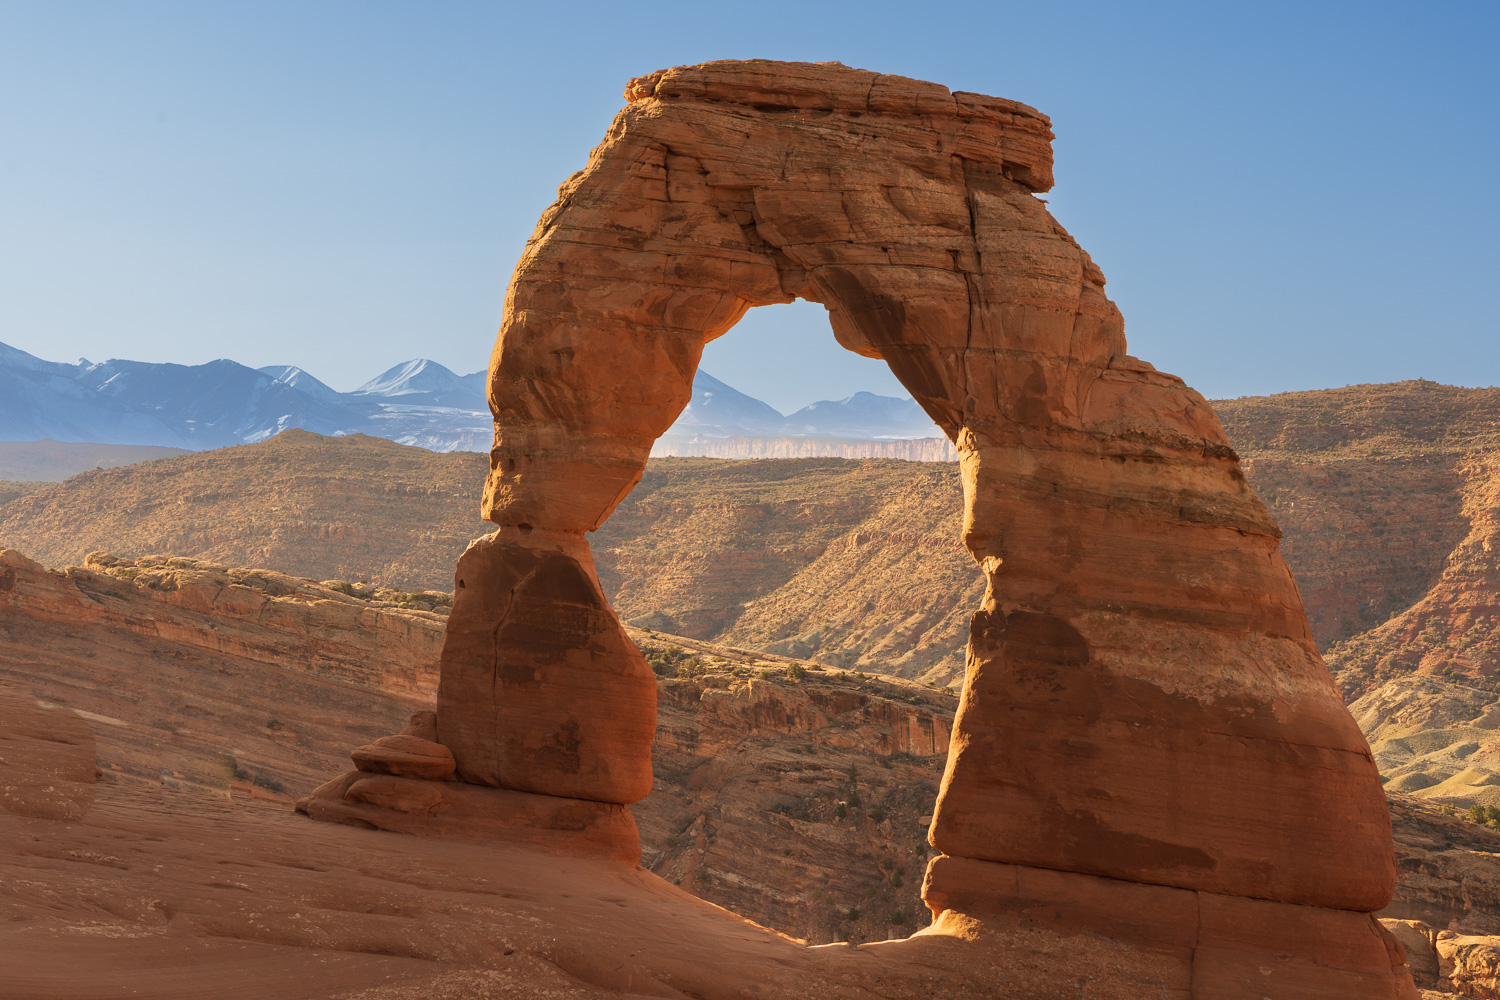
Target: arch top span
904, 209
1143, 701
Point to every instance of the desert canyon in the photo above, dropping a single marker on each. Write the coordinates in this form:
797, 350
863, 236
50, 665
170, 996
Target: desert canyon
1148, 785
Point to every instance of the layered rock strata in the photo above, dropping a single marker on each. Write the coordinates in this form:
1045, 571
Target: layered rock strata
1145, 716
257, 615
404, 783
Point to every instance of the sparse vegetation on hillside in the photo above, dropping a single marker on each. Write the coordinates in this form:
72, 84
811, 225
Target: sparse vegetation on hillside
1372, 486
163, 573
854, 565
1394, 419
12, 490
849, 562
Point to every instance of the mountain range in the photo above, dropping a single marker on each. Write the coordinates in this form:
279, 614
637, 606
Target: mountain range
418, 402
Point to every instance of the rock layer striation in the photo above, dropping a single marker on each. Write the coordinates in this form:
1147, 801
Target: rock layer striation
1147, 735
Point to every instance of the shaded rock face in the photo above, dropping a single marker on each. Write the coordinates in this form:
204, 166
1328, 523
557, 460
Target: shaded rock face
1143, 701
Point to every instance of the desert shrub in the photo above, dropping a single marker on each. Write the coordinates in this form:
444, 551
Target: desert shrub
668, 661
693, 666
877, 814
1477, 814
841, 811
853, 913
268, 782
898, 918
795, 672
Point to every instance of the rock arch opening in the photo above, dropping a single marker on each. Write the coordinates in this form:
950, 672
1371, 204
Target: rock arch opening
1147, 742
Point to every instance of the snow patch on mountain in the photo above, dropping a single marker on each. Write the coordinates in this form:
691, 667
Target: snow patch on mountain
418, 402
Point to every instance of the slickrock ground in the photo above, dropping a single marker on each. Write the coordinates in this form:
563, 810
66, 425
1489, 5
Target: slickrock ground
240, 685
179, 879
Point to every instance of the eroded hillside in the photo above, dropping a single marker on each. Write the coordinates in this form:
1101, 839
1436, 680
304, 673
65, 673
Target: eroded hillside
1385, 494
1388, 496
855, 563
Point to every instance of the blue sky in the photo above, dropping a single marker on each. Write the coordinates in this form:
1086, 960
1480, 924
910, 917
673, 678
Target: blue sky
1283, 196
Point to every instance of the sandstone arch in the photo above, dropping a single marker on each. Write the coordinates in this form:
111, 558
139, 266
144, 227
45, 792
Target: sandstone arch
1148, 742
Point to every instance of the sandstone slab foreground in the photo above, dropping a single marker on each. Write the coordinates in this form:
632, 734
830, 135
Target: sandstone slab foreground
1148, 746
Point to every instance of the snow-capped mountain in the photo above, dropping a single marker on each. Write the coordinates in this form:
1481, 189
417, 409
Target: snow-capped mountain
863, 415
720, 411
299, 379
426, 383
419, 402
212, 405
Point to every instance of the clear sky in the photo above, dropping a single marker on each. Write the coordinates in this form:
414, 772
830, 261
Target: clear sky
1282, 195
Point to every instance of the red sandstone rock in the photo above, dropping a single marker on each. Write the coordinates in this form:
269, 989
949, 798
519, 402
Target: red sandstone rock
454, 810
1143, 699
407, 756
1206, 945
422, 725
542, 691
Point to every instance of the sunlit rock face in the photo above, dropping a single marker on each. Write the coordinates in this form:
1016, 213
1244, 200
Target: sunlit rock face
1145, 719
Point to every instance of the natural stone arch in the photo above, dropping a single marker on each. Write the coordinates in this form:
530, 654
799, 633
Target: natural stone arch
1143, 700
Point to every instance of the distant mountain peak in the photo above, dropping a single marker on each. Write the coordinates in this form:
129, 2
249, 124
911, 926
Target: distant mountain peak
418, 402
416, 375
298, 379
